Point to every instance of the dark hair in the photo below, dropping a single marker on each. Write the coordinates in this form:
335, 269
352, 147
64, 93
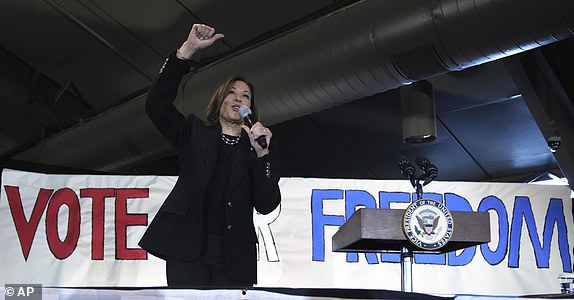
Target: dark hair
214, 106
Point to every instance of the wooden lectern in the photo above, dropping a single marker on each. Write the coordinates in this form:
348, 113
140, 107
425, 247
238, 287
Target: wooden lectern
376, 230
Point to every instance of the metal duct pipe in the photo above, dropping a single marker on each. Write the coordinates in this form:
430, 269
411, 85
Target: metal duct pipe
365, 49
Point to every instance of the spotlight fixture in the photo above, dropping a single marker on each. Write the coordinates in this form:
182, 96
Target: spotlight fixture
554, 143
554, 140
418, 112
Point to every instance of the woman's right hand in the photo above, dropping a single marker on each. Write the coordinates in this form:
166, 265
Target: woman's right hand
201, 36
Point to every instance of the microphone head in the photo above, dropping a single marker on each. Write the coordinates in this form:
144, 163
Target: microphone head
244, 110
431, 171
422, 162
406, 167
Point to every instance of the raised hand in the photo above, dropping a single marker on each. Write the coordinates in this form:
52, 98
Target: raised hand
201, 36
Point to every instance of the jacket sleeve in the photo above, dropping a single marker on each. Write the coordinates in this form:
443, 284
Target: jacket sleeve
265, 174
159, 103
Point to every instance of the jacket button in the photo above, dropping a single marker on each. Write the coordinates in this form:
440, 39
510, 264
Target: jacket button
229, 204
229, 227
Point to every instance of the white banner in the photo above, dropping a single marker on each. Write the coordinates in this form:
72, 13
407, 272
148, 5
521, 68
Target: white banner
82, 230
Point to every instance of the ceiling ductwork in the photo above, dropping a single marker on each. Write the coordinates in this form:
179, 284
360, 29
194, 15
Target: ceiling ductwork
365, 49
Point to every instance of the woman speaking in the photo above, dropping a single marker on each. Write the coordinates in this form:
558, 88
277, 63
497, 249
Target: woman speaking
204, 229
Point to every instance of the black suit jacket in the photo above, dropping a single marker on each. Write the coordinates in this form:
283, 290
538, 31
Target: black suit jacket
177, 231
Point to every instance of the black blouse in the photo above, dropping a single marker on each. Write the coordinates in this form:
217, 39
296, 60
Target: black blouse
216, 191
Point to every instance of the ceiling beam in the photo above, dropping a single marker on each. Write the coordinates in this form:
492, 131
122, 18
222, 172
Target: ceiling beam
123, 56
549, 103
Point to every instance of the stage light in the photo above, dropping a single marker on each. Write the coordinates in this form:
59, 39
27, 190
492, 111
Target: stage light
418, 112
554, 140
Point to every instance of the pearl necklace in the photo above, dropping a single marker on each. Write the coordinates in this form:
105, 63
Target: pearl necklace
230, 139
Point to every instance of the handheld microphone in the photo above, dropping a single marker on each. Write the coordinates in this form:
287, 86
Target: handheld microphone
245, 113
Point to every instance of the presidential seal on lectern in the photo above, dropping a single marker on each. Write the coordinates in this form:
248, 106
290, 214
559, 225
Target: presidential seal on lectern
427, 224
